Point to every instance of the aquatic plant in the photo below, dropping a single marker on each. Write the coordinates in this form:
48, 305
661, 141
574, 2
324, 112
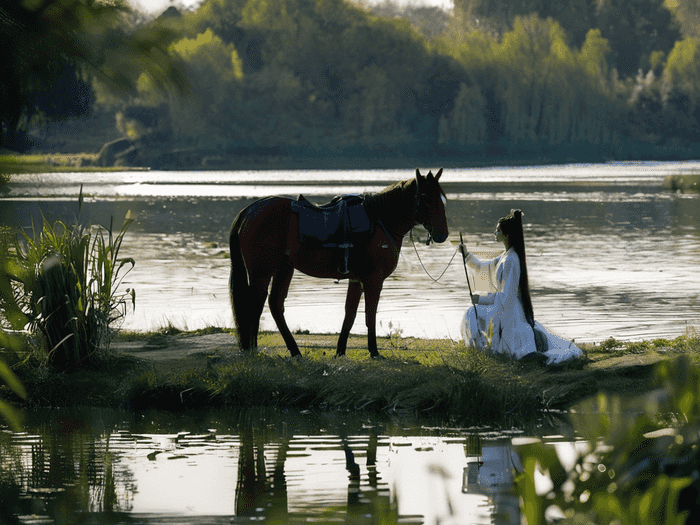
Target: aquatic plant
638, 461
61, 283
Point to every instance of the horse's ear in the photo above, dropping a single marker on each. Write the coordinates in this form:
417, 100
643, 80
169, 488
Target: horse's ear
437, 175
419, 179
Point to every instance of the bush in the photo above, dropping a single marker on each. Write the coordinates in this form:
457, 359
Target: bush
637, 465
61, 284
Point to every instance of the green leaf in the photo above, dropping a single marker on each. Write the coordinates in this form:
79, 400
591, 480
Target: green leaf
12, 380
11, 415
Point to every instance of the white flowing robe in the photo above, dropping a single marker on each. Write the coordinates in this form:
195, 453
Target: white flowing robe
512, 334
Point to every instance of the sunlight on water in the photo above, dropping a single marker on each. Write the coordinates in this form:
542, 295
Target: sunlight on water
609, 252
625, 173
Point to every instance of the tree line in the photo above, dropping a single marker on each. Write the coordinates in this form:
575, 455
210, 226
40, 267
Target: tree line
580, 78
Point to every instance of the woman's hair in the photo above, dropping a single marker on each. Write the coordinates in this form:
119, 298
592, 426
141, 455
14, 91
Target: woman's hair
512, 226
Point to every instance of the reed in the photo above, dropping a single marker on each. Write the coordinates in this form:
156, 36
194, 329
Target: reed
689, 183
62, 283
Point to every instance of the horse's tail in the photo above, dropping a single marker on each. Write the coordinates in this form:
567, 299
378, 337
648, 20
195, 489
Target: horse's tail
239, 287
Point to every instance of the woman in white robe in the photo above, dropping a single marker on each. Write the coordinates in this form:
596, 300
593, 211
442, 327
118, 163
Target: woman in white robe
505, 315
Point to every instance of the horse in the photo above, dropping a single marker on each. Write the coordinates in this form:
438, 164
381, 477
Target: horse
265, 246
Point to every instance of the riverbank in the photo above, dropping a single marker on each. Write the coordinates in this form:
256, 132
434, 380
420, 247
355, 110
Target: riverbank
435, 379
16, 163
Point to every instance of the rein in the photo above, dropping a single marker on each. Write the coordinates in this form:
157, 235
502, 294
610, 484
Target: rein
423, 266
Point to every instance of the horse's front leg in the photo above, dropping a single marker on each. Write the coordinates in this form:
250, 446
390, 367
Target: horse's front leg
352, 301
372, 292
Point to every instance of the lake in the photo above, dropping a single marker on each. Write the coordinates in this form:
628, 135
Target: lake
610, 252
96, 466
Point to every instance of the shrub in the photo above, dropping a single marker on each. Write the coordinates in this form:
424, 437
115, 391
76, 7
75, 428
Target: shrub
61, 284
637, 465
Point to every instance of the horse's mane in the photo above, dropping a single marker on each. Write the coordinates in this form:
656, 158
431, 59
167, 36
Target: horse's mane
387, 198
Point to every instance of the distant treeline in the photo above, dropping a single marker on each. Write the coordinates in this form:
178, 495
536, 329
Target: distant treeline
582, 79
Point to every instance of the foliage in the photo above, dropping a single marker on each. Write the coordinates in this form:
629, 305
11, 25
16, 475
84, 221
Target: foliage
212, 103
50, 46
323, 78
10, 342
683, 183
683, 69
637, 465
62, 283
634, 28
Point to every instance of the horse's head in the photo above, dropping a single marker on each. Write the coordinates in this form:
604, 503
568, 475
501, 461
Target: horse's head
430, 205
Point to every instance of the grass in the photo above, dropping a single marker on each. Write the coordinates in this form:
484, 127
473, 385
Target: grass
689, 183
12, 163
437, 380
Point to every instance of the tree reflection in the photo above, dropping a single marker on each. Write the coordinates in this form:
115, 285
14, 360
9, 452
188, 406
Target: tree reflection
62, 468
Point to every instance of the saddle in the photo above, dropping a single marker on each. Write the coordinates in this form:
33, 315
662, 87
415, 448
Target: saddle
335, 224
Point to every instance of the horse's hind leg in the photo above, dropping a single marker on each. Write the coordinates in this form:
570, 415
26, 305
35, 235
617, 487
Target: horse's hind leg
258, 294
372, 291
278, 293
352, 301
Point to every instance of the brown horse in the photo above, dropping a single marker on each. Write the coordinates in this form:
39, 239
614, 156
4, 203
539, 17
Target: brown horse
265, 246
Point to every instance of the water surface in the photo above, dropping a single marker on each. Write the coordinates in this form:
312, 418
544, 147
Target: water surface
107, 466
610, 253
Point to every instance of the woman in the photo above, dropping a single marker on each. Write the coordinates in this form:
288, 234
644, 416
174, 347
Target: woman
505, 315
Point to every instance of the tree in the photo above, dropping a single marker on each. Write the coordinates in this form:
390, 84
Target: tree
207, 57
688, 14
575, 16
635, 29
50, 43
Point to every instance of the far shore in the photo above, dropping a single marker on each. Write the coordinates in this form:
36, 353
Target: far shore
12, 163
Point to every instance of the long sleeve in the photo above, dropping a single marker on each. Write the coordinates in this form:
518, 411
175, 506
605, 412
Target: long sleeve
484, 273
507, 298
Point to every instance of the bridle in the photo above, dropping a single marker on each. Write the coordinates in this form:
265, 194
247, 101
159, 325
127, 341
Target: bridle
419, 202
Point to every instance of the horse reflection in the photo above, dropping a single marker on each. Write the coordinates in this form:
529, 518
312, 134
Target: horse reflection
256, 494
366, 504
262, 495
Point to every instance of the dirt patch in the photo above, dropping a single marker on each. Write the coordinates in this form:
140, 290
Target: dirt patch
169, 353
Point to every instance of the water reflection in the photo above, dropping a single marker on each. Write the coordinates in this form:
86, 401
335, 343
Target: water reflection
96, 466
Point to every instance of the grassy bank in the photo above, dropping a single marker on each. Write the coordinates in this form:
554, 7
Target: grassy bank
689, 183
417, 377
12, 163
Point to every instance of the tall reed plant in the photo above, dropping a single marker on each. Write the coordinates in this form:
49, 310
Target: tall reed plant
63, 283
